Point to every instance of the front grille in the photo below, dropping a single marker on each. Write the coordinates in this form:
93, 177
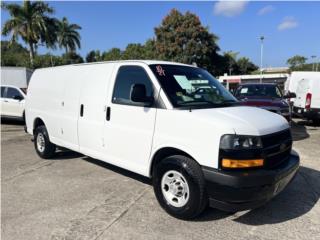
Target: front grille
276, 148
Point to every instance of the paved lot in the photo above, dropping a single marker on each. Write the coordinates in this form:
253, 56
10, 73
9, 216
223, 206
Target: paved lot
76, 197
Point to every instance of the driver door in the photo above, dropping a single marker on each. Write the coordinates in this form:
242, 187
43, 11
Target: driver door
129, 126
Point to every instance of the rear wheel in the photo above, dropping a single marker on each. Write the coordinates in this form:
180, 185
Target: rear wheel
44, 148
316, 121
23, 117
180, 187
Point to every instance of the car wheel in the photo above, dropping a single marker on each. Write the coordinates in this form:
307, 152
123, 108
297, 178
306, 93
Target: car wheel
23, 117
316, 122
44, 148
179, 187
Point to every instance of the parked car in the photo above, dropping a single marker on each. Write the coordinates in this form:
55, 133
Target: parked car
12, 102
267, 96
170, 122
307, 103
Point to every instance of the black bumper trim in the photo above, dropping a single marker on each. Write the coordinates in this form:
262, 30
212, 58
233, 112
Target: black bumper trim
312, 113
247, 189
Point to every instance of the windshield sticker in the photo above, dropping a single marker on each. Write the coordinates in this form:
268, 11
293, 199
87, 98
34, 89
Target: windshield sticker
160, 71
183, 82
244, 90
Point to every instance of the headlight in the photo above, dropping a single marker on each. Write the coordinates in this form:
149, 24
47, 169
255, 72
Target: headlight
233, 141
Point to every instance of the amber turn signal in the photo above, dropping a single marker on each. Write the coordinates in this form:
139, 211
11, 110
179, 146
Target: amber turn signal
233, 163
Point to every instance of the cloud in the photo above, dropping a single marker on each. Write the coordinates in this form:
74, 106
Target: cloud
265, 10
229, 8
287, 23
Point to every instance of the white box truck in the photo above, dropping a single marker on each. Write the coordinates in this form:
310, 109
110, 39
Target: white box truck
171, 122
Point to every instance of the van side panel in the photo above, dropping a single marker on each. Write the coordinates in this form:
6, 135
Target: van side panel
315, 90
93, 98
73, 79
44, 100
302, 90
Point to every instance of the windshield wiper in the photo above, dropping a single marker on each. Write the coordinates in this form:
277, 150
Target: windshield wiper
199, 101
228, 102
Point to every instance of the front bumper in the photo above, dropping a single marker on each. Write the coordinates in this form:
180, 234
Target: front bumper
248, 189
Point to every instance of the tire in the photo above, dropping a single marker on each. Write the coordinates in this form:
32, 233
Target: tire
190, 177
316, 122
44, 148
23, 117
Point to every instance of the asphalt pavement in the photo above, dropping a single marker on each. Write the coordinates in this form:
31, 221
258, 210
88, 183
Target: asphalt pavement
77, 197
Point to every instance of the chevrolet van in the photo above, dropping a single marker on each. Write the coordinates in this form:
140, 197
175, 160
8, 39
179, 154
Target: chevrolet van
171, 122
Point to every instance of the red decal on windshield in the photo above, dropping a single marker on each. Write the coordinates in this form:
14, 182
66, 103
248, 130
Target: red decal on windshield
160, 70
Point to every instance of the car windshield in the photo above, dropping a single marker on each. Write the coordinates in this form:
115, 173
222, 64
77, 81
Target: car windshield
191, 87
265, 91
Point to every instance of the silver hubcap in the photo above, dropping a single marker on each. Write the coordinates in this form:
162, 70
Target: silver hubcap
40, 142
175, 188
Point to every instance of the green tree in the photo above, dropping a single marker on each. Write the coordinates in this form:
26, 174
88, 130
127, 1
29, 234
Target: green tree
32, 22
150, 49
245, 66
47, 60
182, 38
94, 56
296, 61
230, 62
68, 36
112, 55
71, 58
133, 51
13, 54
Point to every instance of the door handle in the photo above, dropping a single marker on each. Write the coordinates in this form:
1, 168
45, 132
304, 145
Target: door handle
81, 110
108, 114
6, 101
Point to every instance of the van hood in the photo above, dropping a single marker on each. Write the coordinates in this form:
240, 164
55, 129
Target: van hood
243, 120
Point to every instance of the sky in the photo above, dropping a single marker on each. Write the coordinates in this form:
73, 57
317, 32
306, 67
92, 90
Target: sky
289, 28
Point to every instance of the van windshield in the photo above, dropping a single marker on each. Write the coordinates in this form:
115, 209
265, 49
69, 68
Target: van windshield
191, 87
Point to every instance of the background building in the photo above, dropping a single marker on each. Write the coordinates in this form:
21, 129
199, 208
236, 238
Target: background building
232, 82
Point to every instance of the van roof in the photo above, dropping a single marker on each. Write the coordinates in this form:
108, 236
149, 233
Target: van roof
148, 62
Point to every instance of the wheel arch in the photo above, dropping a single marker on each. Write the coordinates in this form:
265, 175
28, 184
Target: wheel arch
166, 152
37, 122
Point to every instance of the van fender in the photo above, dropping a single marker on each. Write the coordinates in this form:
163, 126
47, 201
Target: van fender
161, 151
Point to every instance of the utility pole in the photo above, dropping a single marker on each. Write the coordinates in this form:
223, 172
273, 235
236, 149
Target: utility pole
313, 62
261, 57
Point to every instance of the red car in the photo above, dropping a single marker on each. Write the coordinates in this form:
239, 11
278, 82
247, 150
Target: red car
265, 95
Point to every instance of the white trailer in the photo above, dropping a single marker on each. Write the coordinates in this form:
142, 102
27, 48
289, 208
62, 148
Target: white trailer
15, 76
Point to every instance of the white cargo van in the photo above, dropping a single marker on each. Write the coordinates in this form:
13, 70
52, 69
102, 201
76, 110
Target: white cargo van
292, 82
171, 122
307, 103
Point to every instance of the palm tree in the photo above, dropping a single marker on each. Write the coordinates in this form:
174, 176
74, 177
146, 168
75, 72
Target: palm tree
68, 36
32, 22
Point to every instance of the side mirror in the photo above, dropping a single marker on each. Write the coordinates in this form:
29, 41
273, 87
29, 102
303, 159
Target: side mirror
290, 95
18, 97
138, 94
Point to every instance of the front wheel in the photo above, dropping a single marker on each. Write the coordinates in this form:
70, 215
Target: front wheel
44, 148
179, 186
